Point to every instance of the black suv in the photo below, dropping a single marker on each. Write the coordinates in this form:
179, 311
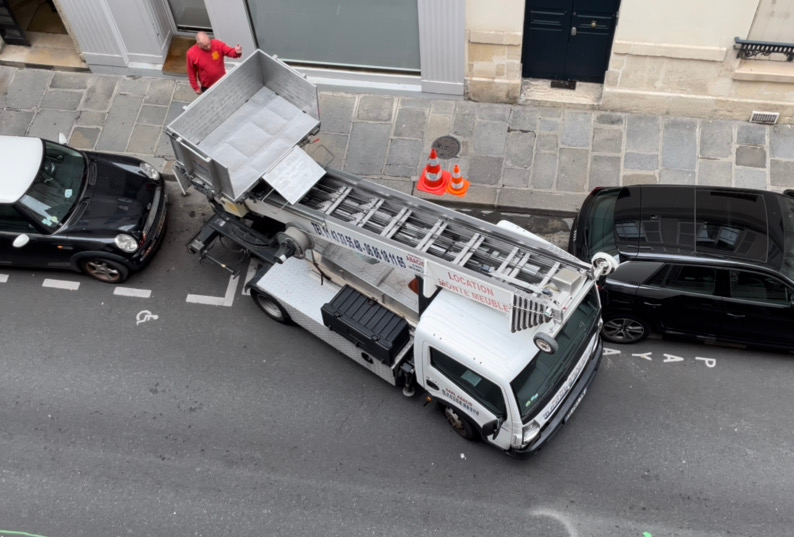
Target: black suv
703, 262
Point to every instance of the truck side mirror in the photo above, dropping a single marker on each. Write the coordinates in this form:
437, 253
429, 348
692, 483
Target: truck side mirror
492, 428
21, 241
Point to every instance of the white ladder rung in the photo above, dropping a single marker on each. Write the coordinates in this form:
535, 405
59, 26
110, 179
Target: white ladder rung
394, 226
343, 193
437, 229
468, 250
364, 218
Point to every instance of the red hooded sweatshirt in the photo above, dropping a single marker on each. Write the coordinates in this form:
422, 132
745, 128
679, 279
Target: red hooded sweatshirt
206, 67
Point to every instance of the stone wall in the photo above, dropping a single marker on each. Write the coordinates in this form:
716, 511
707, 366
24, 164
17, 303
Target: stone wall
697, 82
493, 68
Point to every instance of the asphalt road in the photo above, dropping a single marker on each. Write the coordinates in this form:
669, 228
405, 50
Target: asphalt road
212, 420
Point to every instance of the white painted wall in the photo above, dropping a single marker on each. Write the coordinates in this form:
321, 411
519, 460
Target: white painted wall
230, 24
95, 31
143, 35
681, 22
495, 15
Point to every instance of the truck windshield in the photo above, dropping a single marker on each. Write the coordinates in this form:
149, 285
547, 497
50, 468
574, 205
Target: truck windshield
56, 188
787, 206
540, 380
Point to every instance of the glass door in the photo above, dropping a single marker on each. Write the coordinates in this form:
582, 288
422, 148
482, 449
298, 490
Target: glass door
189, 15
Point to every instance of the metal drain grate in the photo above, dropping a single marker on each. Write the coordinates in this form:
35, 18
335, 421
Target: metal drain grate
447, 147
765, 118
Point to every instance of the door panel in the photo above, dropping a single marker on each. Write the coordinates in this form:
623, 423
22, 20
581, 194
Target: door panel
568, 39
758, 310
10, 30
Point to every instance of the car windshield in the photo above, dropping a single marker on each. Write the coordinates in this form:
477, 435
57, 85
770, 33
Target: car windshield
600, 230
56, 188
787, 205
541, 379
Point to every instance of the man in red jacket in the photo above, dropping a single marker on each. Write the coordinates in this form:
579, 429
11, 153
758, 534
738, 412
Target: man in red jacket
205, 61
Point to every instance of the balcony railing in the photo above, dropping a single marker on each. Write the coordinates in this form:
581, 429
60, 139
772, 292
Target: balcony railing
747, 49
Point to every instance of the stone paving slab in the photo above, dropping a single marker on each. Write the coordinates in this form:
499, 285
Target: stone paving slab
520, 157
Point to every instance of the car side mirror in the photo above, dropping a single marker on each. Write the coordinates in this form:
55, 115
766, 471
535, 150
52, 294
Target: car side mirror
492, 428
21, 241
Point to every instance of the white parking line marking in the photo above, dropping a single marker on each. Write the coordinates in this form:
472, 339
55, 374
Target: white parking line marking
226, 300
61, 284
3, 278
129, 291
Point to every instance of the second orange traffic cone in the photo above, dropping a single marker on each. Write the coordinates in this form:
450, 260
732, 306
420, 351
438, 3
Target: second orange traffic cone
433, 180
458, 186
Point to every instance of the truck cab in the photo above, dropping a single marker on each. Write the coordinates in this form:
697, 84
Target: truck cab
499, 385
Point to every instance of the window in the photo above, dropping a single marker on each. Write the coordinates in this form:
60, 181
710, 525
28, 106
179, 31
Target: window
757, 287
11, 221
702, 280
483, 390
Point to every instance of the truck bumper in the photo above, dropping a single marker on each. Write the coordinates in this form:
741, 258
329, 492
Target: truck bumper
568, 406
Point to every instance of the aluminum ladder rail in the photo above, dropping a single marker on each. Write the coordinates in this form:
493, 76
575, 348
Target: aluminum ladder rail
478, 249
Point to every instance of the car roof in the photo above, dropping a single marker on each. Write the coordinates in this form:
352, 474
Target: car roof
698, 221
21, 157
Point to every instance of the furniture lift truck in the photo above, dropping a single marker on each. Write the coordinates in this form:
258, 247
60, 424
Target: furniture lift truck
498, 326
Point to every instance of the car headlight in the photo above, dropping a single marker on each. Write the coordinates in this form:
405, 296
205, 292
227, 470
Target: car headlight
126, 243
149, 171
531, 430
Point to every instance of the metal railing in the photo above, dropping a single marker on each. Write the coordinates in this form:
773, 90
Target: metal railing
747, 49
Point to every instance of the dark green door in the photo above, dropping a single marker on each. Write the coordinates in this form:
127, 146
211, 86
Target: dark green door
568, 39
9, 27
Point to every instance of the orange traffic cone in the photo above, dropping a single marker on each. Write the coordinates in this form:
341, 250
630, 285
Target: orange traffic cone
458, 186
433, 180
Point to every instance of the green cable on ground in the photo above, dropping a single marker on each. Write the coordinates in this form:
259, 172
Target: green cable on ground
22, 533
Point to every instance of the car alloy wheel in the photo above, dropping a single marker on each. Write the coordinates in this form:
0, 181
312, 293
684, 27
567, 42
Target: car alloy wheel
624, 329
105, 270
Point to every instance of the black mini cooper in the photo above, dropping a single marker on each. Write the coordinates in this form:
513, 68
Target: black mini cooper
60, 208
702, 262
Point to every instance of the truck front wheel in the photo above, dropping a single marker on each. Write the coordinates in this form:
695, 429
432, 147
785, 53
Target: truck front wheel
270, 306
459, 423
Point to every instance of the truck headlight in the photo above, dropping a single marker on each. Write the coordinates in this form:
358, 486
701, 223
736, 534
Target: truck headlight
531, 430
126, 243
149, 171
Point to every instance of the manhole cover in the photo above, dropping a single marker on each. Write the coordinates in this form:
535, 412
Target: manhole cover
447, 147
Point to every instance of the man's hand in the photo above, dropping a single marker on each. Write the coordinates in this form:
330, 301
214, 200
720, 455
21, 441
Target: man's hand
198, 92
238, 50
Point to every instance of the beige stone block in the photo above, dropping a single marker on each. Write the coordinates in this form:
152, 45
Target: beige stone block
513, 38
691, 106
761, 90
494, 91
486, 53
486, 37
687, 76
501, 70
513, 70
617, 61
619, 100
642, 73
514, 52
484, 69
612, 78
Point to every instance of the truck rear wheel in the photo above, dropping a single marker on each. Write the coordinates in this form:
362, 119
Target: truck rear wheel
271, 307
459, 423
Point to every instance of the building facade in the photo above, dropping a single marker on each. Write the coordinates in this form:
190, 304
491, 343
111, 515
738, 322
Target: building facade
646, 56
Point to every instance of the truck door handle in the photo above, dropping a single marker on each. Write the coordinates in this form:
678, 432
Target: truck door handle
573, 30
651, 304
737, 315
431, 384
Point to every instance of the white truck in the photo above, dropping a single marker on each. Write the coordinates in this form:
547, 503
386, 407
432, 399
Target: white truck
497, 325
